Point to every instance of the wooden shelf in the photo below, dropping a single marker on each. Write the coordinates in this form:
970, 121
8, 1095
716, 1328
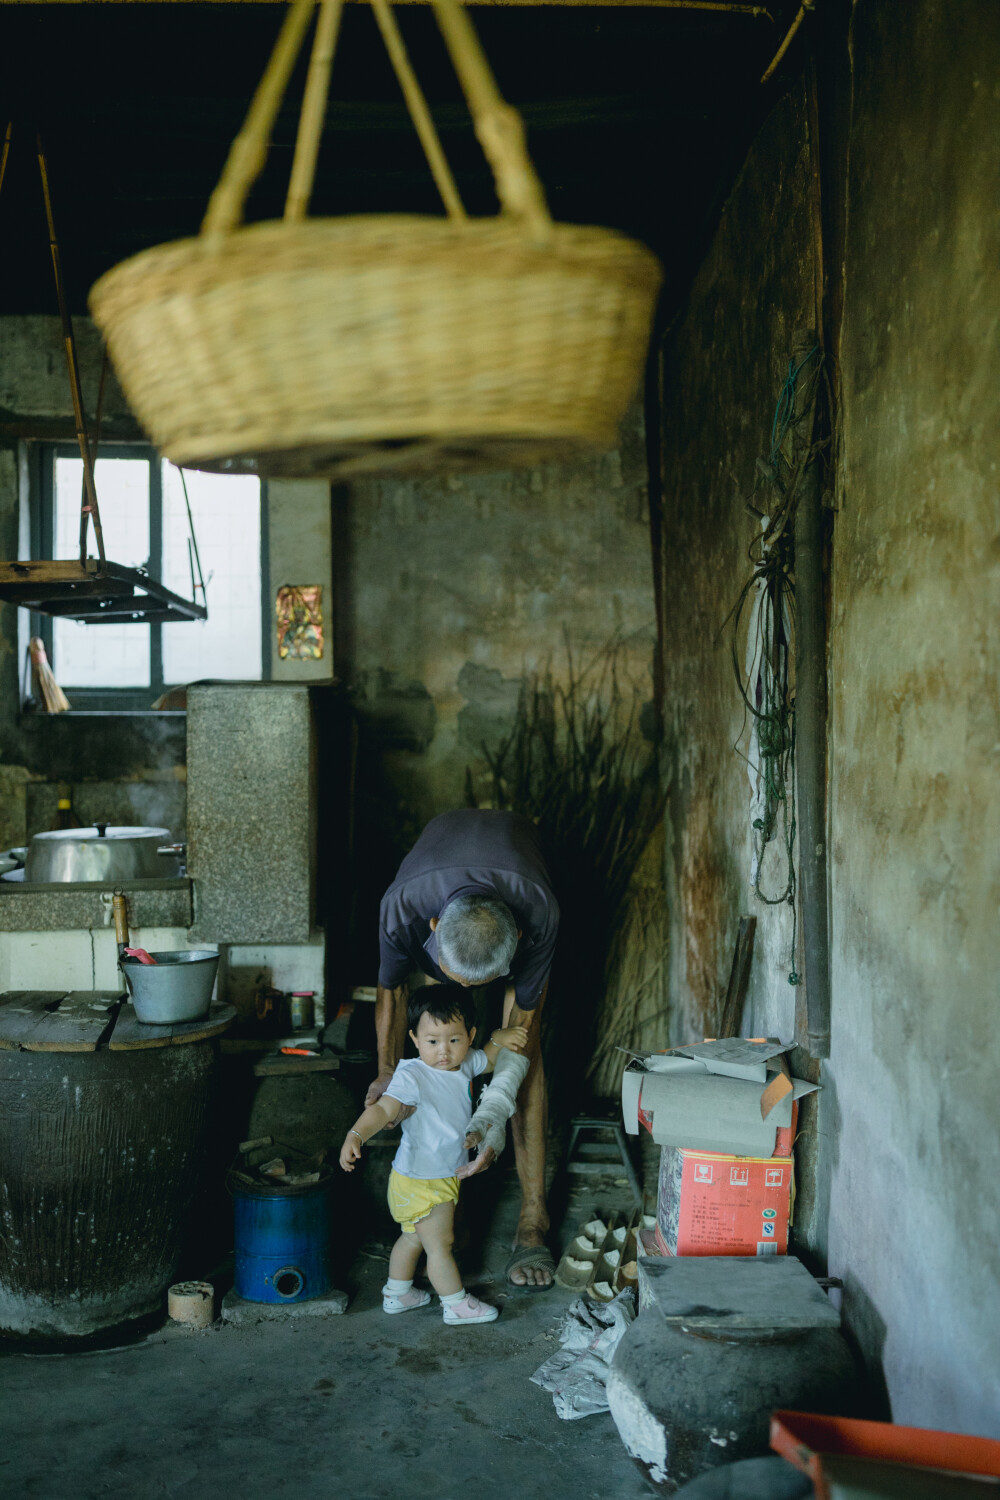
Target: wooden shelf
96, 593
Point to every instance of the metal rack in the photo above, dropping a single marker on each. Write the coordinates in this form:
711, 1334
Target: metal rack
89, 589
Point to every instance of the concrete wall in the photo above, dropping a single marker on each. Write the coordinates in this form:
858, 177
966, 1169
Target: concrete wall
915, 819
904, 1206
723, 365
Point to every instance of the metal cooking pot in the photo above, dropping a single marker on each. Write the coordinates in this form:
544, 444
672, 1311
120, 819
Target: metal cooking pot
102, 854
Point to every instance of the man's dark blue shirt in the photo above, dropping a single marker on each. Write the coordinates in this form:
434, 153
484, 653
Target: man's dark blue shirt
470, 853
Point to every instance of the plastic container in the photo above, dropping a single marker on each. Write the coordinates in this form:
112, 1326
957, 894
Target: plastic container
177, 987
283, 1241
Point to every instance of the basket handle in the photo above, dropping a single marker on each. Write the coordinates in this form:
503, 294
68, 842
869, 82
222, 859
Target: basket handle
499, 127
419, 112
313, 111
248, 152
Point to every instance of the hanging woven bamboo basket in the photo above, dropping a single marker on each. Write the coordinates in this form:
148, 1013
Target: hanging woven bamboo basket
383, 343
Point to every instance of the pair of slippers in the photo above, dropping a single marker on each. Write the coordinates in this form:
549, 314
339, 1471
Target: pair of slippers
530, 1258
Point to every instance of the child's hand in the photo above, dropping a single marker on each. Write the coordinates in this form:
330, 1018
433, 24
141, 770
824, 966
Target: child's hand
514, 1038
350, 1152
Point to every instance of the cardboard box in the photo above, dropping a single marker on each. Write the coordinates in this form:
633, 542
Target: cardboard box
710, 1204
784, 1135
733, 1097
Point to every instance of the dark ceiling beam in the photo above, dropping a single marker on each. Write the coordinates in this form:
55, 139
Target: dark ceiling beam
724, 7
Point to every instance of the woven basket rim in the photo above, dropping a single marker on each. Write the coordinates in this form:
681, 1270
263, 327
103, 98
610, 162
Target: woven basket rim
410, 237
450, 428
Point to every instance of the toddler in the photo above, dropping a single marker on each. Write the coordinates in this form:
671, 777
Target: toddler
423, 1184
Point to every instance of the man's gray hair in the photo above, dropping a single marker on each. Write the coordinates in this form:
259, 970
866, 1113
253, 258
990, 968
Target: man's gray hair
476, 938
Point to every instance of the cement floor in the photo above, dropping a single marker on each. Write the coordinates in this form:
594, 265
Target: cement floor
356, 1407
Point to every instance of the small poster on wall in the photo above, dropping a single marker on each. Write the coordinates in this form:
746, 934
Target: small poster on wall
299, 613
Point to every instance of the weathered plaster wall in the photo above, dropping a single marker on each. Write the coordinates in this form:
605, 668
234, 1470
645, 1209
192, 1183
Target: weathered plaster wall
723, 364
452, 589
904, 1206
912, 1084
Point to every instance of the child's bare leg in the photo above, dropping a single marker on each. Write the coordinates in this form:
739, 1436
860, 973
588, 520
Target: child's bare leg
404, 1256
399, 1294
436, 1235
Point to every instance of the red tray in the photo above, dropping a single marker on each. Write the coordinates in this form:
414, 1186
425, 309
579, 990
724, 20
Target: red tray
803, 1439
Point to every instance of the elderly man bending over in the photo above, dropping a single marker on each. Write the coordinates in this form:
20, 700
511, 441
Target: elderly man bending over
472, 903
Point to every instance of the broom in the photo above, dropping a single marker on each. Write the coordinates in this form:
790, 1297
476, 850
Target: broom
45, 685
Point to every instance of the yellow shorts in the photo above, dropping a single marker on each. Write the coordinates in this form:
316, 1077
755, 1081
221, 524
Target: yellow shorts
412, 1198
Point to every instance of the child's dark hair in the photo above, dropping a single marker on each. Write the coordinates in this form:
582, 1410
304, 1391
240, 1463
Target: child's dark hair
442, 1002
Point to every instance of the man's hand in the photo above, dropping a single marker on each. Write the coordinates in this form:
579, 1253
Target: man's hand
483, 1161
378, 1087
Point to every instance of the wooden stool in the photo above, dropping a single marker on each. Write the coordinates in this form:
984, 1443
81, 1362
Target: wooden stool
581, 1123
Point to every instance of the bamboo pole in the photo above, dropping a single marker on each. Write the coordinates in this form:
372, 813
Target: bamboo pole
5, 151
248, 152
313, 111
772, 67
72, 365
499, 127
419, 112
98, 415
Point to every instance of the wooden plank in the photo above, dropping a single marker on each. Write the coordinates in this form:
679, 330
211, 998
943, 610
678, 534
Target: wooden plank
54, 571
22, 1013
77, 1025
130, 1033
218, 1019
739, 978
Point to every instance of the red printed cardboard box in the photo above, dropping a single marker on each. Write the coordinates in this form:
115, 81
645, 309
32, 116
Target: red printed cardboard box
723, 1205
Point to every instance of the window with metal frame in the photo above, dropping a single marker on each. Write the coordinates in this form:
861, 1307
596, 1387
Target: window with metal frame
116, 666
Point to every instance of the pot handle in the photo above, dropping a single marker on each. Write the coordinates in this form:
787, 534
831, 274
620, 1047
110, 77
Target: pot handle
177, 849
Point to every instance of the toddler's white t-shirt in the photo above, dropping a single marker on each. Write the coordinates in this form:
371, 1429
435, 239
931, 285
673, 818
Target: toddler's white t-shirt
433, 1143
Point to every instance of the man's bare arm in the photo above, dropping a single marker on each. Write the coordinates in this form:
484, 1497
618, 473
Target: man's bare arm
390, 1035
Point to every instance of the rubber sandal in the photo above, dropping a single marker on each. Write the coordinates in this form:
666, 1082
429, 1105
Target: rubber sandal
530, 1258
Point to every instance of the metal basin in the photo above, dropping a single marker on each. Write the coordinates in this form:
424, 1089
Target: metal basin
178, 987
101, 854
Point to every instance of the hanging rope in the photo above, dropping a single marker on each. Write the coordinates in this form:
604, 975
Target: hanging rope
765, 675
193, 556
72, 365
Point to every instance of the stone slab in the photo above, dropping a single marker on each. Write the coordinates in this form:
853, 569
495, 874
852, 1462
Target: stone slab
237, 1310
32, 907
734, 1291
252, 811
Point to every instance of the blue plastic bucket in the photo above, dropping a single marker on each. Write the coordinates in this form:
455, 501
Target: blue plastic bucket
283, 1241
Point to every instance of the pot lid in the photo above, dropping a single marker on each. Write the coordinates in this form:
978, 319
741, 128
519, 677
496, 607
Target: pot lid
106, 831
